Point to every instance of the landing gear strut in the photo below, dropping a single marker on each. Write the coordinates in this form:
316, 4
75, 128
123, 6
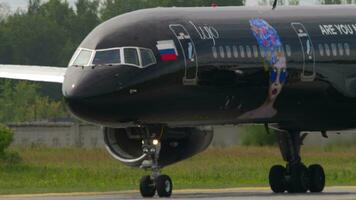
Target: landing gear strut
295, 177
155, 182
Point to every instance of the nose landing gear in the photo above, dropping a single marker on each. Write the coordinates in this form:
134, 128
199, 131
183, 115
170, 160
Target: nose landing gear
155, 182
295, 177
162, 184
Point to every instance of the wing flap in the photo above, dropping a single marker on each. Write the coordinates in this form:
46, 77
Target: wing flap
33, 73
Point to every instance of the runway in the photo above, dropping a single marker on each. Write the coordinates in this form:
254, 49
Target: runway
331, 193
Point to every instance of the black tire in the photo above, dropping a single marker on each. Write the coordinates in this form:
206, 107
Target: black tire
147, 187
299, 179
164, 186
277, 179
317, 178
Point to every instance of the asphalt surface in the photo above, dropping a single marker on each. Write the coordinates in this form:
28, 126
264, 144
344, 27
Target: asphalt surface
331, 193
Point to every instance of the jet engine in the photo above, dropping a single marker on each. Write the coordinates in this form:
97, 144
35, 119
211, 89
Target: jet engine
177, 144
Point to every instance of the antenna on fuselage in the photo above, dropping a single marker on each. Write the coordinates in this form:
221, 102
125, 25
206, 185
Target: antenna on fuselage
274, 4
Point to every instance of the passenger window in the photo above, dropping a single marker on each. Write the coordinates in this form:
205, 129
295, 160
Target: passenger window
131, 56
334, 49
236, 54
147, 57
321, 50
228, 51
327, 50
347, 49
107, 57
262, 50
248, 51
341, 49
255, 51
242, 51
215, 53
83, 58
288, 51
222, 52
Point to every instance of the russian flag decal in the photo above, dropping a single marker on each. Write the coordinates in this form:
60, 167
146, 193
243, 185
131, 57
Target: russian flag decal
167, 50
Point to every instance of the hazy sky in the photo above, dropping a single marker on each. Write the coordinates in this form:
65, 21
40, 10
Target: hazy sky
22, 4
15, 4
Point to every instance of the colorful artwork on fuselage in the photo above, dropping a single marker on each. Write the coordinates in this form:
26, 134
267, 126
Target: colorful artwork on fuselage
271, 46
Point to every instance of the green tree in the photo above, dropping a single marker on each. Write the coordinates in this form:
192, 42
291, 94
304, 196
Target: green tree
21, 101
331, 1
256, 135
6, 138
4, 11
86, 18
112, 8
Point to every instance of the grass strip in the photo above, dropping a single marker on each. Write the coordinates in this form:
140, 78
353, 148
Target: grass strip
47, 170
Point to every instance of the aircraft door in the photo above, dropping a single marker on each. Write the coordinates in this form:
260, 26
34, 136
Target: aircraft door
308, 52
189, 53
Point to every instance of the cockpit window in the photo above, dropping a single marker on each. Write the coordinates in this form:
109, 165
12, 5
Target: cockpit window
147, 57
136, 56
131, 56
83, 58
107, 57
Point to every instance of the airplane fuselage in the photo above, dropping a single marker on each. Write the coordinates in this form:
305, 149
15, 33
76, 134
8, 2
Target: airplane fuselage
294, 66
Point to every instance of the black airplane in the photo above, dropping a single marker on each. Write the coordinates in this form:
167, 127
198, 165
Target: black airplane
156, 78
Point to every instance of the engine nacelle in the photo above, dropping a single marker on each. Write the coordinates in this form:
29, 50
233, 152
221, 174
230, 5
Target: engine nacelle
177, 144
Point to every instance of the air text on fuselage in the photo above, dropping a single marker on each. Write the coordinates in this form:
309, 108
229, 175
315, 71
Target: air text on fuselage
338, 29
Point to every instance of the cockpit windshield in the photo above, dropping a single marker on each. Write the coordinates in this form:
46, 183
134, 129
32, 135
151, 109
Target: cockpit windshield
131, 56
83, 58
107, 57
134, 56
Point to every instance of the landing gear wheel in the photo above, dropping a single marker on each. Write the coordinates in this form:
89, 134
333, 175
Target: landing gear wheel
277, 179
317, 178
164, 186
299, 179
147, 187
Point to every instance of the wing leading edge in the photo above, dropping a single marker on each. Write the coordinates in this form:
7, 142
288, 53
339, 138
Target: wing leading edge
33, 73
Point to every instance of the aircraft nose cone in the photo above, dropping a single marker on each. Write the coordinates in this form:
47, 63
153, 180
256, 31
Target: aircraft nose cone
81, 83
72, 91
73, 84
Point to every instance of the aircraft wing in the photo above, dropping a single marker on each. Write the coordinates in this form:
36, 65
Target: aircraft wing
33, 73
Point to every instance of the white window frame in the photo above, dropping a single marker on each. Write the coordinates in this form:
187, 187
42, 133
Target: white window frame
76, 54
235, 51
122, 56
255, 51
334, 49
152, 54
321, 50
138, 54
341, 49
248, 51
215, 52
327, 49
109, 49
222, 51
242, 51
347, 48
288, 51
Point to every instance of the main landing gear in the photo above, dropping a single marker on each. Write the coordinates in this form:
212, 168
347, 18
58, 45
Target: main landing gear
295, 177
155, 182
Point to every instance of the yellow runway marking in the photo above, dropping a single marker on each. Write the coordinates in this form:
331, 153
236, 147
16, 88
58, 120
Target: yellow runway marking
223, 190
